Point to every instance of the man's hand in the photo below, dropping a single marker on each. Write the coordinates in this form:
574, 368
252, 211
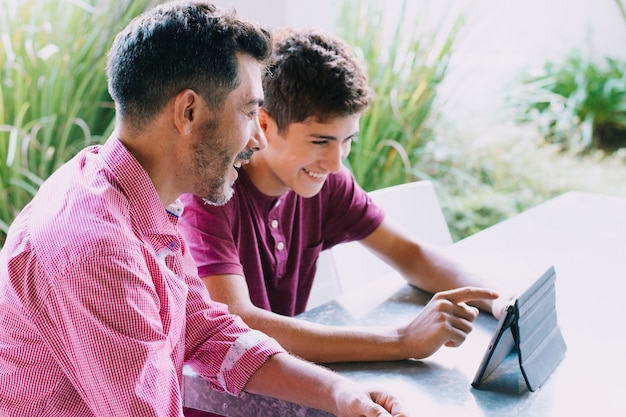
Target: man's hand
445, 321
355, 401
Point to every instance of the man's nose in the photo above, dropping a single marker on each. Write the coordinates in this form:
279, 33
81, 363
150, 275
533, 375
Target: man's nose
258, 141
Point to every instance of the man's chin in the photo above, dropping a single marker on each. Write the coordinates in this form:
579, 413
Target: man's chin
220, 200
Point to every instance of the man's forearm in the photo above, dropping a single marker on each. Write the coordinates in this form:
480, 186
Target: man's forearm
291, 379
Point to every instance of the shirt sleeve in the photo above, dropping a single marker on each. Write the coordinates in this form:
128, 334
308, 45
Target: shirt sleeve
100, 317
219, 346
209, 232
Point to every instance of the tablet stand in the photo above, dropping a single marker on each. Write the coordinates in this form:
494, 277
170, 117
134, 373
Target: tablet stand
530, 326
540, 344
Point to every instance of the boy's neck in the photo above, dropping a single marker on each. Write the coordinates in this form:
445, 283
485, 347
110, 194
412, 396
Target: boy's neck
263, 177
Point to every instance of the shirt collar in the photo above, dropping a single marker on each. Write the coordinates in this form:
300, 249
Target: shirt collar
135, 183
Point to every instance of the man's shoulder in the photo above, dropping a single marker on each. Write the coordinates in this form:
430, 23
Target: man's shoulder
77, 220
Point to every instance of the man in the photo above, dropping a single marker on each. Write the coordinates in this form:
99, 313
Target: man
100, 302
258, 252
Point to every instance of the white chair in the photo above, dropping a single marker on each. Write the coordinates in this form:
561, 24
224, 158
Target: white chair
414, 207
326, 285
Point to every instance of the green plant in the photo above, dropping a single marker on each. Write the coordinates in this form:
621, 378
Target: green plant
481, 184
53, 91
578, 103
405, 72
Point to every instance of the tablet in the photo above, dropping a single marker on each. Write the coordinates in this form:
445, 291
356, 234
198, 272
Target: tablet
500, 346
529, 324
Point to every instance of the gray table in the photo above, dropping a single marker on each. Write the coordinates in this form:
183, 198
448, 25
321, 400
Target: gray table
584, 236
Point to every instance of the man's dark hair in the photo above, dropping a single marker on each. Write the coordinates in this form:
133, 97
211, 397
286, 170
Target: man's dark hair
312, 73
179, 45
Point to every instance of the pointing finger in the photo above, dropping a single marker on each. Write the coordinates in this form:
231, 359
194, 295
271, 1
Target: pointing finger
465, 294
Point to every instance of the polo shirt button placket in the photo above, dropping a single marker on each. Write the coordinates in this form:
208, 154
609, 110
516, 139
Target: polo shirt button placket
280, 245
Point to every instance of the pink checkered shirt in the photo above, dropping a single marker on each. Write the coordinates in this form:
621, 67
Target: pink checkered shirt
100, 303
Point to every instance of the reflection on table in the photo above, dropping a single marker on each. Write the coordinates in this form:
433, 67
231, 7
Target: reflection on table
584, 236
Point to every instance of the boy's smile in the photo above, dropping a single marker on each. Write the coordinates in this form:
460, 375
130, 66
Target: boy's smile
302, 156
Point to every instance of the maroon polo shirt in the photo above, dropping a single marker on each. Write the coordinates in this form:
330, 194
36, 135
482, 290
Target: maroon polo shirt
275, 241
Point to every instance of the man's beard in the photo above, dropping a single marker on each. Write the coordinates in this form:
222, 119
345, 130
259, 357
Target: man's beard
244, 154
214, 202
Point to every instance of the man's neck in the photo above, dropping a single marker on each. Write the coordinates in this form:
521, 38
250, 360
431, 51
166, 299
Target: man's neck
151, 153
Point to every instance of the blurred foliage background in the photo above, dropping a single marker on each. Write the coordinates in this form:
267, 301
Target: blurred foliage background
53, 90
571, 118
405, 72
570, 115
579, 104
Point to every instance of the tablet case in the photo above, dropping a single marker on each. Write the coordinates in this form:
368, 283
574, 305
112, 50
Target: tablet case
530, 326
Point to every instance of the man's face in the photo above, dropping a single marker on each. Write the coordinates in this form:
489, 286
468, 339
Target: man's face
229, 139
302, 157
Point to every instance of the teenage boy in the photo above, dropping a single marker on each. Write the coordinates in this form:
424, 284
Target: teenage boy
258, 252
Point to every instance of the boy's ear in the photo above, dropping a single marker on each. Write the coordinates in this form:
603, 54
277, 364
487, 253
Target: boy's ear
267, 123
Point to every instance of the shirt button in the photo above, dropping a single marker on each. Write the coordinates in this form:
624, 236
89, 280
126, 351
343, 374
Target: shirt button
274, 224
280, 246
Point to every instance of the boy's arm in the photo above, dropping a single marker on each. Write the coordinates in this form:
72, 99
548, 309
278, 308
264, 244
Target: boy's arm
428, 267
445, 320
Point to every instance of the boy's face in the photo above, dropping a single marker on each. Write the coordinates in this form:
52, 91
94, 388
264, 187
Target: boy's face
302, 157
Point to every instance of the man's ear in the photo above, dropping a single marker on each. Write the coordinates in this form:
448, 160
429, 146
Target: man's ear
186, 108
